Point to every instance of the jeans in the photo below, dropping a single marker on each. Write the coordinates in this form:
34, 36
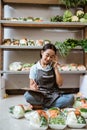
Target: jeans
65, 100
34, 99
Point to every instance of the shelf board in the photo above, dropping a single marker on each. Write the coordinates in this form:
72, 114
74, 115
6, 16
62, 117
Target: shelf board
47, 24
14, 72
73, 72
15, 47
27, 72
6, 47
33, 1
24, 47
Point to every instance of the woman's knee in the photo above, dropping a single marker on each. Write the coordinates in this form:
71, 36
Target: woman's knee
65, 100
31, 99
71, 97
26, 96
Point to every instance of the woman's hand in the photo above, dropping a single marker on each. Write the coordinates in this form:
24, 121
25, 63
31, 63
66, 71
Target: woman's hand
33, 85
55, 62
59, 79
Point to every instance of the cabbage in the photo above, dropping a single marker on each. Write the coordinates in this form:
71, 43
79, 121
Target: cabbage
83, 20
85, 15
15, 66
17, 111
67, 16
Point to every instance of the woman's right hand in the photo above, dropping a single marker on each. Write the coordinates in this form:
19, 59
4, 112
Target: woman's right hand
33, 85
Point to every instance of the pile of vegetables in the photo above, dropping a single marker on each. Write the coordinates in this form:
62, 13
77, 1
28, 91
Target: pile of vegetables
19, 110
19, 66
80, 102
37, 119
80, 105
54, 117
56, 18
69, 44
75, 120
57, 119
68, 16
36, 19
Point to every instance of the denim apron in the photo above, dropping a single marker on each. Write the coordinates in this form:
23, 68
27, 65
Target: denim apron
48, 89
46, 81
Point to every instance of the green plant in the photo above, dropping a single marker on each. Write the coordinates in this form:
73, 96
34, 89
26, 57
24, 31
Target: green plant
65, 47
63, 50
83, 44
74, 3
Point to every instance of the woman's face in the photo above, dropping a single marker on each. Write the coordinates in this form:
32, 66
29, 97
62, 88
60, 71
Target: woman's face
48, 56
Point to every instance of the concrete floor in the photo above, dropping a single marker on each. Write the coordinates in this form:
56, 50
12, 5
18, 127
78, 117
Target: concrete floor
9, 123
6, 121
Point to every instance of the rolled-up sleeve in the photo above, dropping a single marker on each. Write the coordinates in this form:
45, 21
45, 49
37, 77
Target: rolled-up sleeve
32, 73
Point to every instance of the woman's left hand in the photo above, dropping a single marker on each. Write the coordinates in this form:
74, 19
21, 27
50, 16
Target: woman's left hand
55, 62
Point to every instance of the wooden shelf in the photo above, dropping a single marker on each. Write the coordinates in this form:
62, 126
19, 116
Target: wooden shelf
10, 47
73, 72
33, 1
47, 24
43, 24
14, 72
27, 72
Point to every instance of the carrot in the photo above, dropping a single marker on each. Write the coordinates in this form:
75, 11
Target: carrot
77, 112
42, 113
53, 113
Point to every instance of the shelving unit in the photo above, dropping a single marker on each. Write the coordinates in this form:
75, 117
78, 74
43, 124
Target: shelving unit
36, 25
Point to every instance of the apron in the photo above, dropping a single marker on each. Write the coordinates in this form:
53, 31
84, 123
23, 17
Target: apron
46, 81
48, 89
